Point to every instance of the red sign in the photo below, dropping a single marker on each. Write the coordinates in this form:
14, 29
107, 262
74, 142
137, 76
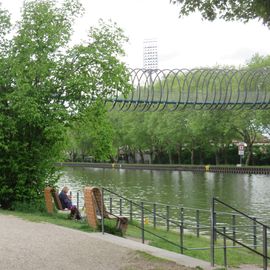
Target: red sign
241, 147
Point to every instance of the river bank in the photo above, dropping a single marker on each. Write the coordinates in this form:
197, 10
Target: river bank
173, 167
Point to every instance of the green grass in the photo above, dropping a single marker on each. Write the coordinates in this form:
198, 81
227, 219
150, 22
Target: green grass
150, 257
61, 219
235, 257
56, 218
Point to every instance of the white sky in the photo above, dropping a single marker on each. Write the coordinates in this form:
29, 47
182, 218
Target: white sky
182, 43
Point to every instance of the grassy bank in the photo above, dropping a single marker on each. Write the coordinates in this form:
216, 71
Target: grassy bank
57, 219
235, 257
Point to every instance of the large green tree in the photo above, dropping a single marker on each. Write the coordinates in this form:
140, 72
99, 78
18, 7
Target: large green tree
91, 135
46, 84
242, 10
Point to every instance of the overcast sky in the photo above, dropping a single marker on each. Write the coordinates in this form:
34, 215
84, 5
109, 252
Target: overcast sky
182, 43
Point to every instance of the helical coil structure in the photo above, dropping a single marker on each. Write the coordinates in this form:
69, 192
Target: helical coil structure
208, 89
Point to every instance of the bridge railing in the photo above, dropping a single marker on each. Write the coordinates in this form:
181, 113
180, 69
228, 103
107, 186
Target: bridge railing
156, 90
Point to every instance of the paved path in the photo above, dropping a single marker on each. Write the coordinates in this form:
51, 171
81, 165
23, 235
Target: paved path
29, 245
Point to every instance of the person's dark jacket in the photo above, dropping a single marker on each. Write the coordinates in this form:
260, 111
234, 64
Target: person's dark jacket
65, 201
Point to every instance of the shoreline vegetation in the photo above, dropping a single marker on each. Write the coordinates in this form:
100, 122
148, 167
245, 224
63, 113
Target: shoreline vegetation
236, 257
175, 167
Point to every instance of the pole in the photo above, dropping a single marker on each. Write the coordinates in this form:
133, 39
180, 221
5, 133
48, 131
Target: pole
102, 210
154, 215
168, 217
265, 260
212, 245
224, 247
78, 200
142, 221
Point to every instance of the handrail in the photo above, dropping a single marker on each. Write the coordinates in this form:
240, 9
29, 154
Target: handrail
240, 212
214, 230
179, 224
148, 210
240, 243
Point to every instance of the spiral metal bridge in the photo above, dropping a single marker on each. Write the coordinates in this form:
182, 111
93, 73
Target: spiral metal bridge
208, 89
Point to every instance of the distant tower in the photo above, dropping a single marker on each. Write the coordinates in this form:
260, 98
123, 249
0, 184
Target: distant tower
150, 55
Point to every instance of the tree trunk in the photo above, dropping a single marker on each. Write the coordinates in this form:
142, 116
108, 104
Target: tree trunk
141, 155
179, 155
225, 155
249, 159
152, 155
201, 157
217, 157
192, 157
170, 157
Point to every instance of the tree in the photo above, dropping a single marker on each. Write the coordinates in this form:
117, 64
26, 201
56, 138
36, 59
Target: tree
44, 86
92, 135
230, 10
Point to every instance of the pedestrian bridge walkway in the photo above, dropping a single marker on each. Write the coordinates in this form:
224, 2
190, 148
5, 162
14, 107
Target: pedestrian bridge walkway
208, 89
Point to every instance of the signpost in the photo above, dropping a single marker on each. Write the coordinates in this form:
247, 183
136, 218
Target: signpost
241, 151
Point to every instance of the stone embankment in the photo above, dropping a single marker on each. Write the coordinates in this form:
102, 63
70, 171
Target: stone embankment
193, 168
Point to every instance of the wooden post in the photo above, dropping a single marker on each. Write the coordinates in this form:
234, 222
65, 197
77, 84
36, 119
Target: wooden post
48, 199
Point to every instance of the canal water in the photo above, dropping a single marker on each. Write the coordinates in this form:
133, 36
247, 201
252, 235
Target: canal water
248, 193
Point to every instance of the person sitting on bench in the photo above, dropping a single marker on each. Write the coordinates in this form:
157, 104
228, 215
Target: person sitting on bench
65, 200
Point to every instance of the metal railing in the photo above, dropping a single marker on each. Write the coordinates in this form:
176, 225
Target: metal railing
228, 232
138, 215
232, 225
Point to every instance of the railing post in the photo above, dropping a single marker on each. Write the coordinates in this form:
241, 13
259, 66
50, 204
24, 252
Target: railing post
212, 244
224, 247
182, 230
198, 222
154, 215
254, 233
215, 223
111, 202
70, 195
120, 207
130, 210
142, 221
102, 210
78, 200
168, 217
265, 260
182, 215
233, 228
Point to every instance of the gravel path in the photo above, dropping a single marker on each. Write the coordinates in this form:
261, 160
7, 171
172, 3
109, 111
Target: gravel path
29, 245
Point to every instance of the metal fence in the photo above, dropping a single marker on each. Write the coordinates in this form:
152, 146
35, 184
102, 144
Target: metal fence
221, 221
253, 235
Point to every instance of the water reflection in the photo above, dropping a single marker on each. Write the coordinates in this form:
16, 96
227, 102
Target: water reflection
248, 193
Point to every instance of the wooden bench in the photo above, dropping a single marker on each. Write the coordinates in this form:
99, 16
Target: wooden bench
52, 199
94, 206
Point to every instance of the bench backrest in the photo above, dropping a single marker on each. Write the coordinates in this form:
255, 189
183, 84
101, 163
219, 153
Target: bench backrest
51, 195
56, 199
96, 193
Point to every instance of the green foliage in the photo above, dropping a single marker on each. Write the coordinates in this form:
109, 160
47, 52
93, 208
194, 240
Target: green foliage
92, 135
242, 10
37, 206
44, 86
